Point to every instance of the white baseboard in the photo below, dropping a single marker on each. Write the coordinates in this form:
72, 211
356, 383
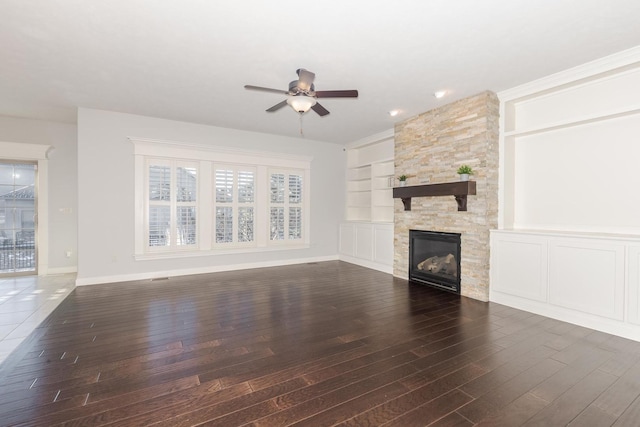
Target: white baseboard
366, 263
598, 323
62, 270
84, 281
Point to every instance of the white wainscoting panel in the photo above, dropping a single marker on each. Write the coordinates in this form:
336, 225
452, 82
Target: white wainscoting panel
364, 241
369, 244
589, 279
383, 247
520, 266
633, 277
587, 276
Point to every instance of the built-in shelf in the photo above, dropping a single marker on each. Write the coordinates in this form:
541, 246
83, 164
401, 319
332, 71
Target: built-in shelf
459, 190
370, 171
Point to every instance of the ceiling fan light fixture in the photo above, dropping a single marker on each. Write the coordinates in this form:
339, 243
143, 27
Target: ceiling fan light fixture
301, 103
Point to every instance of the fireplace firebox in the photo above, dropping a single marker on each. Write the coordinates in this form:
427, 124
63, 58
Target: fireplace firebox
434, 259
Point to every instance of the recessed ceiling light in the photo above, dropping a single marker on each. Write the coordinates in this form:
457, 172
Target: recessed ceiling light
439, 94
394, 113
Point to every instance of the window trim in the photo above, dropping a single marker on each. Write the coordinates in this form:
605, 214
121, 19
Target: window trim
208, 158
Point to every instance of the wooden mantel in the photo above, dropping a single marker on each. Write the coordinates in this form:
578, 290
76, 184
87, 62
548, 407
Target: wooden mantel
459, 190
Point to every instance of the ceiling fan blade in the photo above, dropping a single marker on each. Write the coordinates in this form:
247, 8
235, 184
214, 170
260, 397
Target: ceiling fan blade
266, 89
336, 94
278, 106
319, 109
305, 79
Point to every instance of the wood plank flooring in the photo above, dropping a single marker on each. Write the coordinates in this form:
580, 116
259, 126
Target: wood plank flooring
314, 345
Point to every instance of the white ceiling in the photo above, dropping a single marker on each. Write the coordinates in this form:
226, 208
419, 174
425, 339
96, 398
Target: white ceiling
189, 59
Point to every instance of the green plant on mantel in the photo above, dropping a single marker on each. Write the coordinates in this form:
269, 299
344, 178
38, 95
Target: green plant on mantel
403, 177
465, 170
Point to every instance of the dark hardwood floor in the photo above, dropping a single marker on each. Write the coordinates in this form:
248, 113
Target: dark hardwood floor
316, 344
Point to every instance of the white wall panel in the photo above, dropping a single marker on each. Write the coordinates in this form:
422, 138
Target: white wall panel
580, 178
633, 277
592, 280
364, 241
577, 102
369, 244
568, 159
383, 247
587, 276
519, 266
569, 150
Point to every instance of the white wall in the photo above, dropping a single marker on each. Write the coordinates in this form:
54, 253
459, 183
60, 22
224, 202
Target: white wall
62, 175
569, 149
106, 195
569, 234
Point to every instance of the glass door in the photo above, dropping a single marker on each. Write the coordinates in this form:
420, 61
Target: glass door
17, 218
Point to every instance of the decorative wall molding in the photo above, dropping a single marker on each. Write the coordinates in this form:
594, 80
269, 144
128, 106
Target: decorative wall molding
575, 75
23, 151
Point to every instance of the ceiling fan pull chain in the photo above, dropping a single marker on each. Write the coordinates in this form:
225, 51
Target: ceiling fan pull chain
301, 132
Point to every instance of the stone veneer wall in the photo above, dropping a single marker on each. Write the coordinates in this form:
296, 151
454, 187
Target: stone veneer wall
429, 148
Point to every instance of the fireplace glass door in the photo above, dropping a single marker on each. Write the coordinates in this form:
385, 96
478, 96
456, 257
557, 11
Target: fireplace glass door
434, 259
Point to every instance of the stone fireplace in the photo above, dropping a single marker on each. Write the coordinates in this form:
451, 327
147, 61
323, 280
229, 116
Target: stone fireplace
429, 148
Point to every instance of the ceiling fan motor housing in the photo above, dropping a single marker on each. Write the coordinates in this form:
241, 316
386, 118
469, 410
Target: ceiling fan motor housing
294, 89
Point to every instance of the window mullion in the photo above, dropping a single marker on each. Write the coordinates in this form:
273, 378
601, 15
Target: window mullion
286, 206
262, 207
205, 204
234, 207
174, 207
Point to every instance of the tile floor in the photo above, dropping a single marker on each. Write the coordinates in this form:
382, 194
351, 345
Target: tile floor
25, 302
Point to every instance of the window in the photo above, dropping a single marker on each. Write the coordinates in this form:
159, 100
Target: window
199, 200
235, 203
285, 205
171, 204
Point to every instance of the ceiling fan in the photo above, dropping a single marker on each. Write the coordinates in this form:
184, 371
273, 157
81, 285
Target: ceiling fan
302, 95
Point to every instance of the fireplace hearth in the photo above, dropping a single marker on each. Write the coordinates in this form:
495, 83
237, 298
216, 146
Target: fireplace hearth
434, 259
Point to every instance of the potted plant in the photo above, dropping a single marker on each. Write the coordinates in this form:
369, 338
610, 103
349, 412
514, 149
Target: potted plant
403, 180
464, 171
